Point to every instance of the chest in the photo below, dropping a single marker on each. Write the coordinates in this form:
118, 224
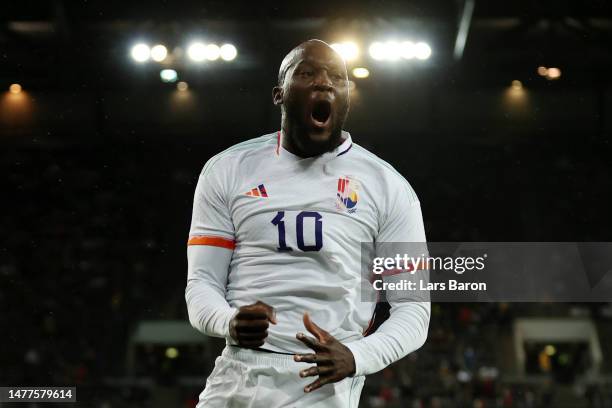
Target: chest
303, 211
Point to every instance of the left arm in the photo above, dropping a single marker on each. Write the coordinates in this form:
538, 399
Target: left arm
406, 328
404, 331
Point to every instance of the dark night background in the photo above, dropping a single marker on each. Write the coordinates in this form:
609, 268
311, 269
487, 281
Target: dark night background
100, 159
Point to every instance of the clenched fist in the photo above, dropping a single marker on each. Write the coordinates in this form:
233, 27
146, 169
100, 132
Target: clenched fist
249, 327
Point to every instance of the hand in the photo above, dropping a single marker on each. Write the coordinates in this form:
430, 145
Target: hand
334, 361
249, 327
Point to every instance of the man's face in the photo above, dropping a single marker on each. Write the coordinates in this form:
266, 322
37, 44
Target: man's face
315, 97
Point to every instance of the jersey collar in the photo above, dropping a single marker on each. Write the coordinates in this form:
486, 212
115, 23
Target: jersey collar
343, 148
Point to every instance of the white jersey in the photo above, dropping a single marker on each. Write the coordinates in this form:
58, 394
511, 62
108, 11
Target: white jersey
295, 226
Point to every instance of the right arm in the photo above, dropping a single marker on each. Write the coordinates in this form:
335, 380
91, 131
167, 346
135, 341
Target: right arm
207, 270
209, 253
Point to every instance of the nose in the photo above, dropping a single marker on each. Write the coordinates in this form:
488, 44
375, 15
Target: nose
322, 81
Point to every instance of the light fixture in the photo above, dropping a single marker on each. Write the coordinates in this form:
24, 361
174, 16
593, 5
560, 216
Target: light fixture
553, 73
168, 75
422, 50
407, 50
15, 89
141, 52
395, 50
228, 52
348, 50
377, 51
212, 52
197, 51
361, 72
159, 53
542, 71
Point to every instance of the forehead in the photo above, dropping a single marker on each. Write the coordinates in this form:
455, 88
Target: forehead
318, 55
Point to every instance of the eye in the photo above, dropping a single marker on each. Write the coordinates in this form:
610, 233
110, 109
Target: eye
307, 73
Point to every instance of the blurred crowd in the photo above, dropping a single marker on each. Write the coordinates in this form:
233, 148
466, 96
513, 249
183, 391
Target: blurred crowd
468, 362
86, 258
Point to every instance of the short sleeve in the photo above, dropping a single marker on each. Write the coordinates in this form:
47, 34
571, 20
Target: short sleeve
211, 222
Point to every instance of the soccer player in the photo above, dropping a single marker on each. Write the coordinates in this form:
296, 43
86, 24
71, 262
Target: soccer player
274, 251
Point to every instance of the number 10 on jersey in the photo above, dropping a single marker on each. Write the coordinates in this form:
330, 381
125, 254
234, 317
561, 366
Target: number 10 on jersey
299, 231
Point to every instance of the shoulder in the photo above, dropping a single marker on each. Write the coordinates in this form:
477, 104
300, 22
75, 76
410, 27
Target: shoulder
232, 156
384, 174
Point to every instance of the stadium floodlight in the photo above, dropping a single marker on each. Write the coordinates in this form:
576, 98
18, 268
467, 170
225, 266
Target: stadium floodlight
141, 52
422, 50
159, 53
15, 89
212, 52
386, 51
377, 51
361, 72
348, 50
407, 50
393, 50
553, 73
168, 75
542, 71
196, 51
228, 52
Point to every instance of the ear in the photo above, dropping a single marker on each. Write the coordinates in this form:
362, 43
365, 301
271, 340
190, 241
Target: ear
277, 95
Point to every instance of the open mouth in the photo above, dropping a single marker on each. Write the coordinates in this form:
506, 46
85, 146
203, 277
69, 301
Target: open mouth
321, 111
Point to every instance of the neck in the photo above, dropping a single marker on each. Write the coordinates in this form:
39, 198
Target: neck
289, 138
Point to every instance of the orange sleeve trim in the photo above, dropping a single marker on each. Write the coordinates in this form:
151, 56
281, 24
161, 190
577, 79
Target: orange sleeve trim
421, 266
212, 241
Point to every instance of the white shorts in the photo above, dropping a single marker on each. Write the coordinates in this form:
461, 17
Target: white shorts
248, 378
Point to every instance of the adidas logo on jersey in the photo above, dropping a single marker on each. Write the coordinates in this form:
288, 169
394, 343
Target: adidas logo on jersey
259, 191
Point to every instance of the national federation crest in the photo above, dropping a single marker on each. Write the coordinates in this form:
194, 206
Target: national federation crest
348, 194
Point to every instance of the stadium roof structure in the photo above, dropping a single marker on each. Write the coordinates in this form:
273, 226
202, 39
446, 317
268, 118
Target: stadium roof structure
63, 44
